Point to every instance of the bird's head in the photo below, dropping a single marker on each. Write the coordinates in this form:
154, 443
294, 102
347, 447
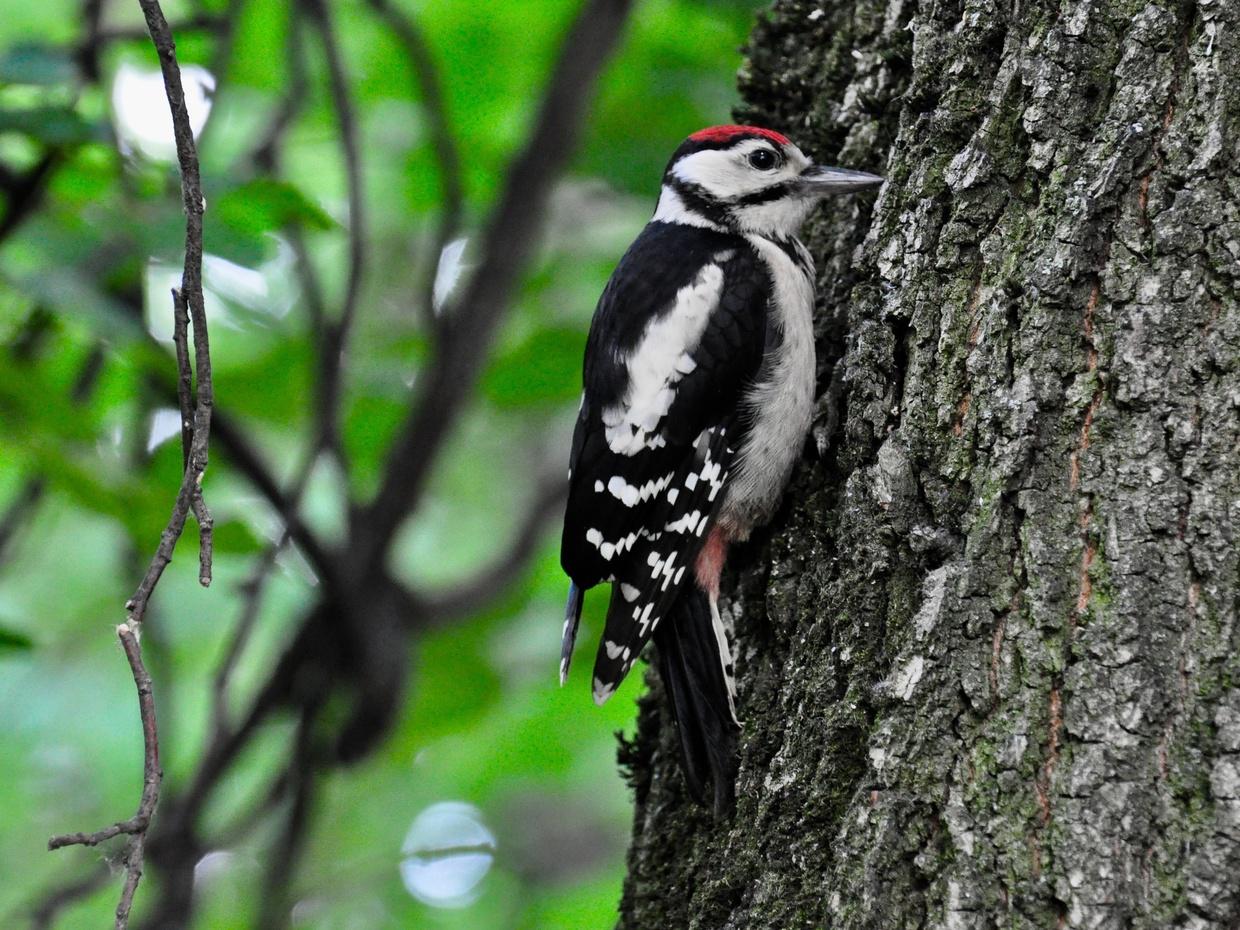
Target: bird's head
748, 180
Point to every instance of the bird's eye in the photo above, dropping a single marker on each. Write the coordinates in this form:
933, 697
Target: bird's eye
763, 159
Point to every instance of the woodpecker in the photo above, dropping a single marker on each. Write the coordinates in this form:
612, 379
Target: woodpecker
698, 393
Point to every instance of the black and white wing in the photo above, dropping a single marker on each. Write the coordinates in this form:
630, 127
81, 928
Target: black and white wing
678, 336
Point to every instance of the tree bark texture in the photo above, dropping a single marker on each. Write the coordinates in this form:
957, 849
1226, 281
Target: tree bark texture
988, 655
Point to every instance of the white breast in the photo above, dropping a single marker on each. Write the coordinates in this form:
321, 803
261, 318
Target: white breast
782, 403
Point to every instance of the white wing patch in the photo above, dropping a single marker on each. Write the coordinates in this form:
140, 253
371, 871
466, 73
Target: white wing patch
661, 358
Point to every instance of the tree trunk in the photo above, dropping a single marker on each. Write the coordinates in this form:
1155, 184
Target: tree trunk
988, 658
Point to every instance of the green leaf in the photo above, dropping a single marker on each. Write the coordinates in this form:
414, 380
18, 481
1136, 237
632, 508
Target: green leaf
36, 64
259, 35
266, 205
14, 641
543, 368
236, 538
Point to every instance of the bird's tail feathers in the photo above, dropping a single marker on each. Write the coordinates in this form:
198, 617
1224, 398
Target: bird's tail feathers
572, 618
695, 664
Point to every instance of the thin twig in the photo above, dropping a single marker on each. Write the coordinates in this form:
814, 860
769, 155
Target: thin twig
185, 394
185, 401
89, 49
508, 245
134, 857
446, 852
189, 299
206, 536
191, 293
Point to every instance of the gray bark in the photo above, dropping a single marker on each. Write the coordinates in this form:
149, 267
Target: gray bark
988, 653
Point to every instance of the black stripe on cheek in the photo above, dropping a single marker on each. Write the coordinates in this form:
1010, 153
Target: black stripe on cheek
696, 200
766, 195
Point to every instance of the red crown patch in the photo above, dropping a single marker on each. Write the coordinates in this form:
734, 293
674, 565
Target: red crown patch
724, 133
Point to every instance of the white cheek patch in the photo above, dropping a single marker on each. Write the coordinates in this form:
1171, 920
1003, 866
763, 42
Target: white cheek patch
725, 174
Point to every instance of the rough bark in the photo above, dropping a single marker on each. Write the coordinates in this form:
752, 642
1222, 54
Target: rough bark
988, 656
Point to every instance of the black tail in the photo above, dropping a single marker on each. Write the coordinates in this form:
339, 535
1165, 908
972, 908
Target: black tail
692, 670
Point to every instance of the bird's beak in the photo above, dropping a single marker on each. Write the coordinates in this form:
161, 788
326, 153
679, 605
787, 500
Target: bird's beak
819, 180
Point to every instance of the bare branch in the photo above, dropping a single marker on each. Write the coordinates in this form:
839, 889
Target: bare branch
19, 510
422, 61
206, 537
246, 460
253, 589
446, 852
265, 154
342, 644
277, 877
185, 400
26, 500
134, 857
189, 495
88, 51
508, 245
185, 377
54, 901
24, 191
335, 335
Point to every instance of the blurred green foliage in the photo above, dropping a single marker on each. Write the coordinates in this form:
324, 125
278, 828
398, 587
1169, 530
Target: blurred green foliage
88, 272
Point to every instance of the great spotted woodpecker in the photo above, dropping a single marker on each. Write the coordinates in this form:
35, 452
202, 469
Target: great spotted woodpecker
699, 389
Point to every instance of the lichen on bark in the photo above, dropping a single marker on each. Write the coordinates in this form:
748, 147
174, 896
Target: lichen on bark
988, 655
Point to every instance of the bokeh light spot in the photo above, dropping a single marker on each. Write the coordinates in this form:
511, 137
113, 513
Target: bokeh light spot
446, 854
